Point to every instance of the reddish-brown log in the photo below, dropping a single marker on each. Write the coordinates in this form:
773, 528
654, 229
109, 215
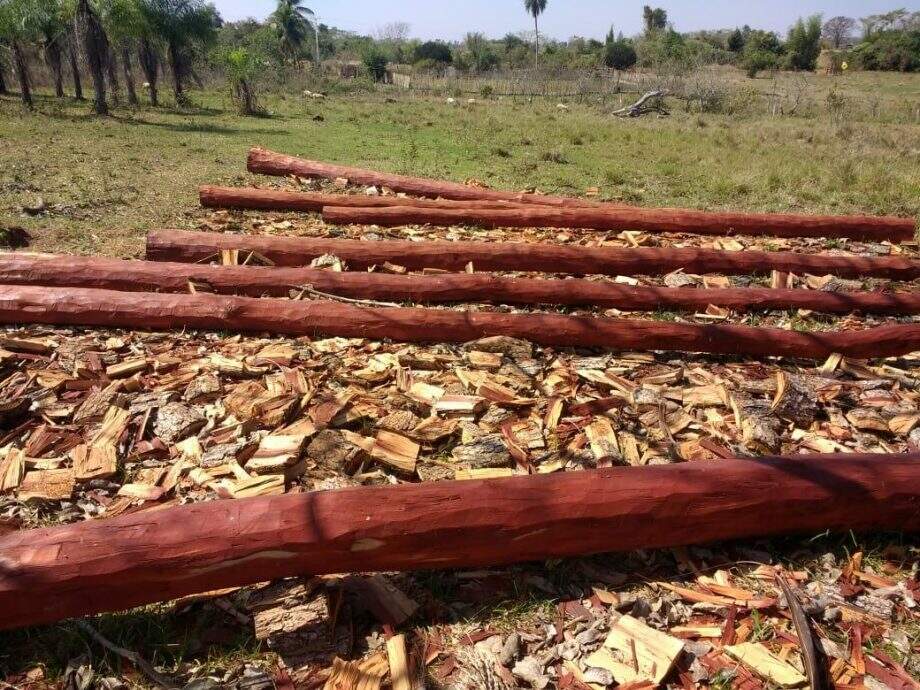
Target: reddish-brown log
18, 268
89, 307
184, 246
255, 198
269, 163
872, 228
107, 565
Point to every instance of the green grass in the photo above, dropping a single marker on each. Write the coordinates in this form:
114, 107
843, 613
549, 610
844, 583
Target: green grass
107, 180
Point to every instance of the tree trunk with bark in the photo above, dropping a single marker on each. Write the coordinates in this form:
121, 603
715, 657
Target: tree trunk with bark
88, 307
258, 281
3, 89
150, 556
75, 68
22, 73
150, 65
55, 64
190, 247
96, 46
129, 74
176, 67
111, 68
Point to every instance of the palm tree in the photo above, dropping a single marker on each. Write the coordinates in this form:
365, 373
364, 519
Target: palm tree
20, 23
291, 23
536, 8
124, 23
96, 46
182, 26
53, 29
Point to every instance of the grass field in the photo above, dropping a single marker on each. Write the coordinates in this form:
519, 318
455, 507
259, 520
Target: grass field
105, 181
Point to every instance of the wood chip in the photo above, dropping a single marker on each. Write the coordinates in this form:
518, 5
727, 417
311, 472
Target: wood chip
399, 667
766, 664
12, 470
98, 461
396, 451
47, 485
634, 652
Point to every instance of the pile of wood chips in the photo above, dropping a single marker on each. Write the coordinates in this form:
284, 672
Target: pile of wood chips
98, 423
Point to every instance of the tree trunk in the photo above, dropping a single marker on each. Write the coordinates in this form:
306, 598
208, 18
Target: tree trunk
254, 198
158, 555
257, 281
75, 69
150, 66
267, 162
107, 308
22, 73
175, 66
190, 247
129, 75
53, 56
536, 43
3, 89
96, 46
111, 67
869, 228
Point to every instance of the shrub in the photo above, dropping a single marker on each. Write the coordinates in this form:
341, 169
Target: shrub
376, 63
890, 51
755, 61
435, 51
620, 54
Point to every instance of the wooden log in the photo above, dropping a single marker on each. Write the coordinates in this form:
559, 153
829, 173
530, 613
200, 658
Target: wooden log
191, 247
871, 228
18, 268
157, 555
89, 307
267, 162
255, 198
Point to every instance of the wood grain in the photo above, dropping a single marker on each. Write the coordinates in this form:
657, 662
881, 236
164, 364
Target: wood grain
91, 307
157, 555
191, 247
17, 268
871, 228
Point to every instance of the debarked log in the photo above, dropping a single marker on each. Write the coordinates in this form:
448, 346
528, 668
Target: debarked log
95, 566
184, 246
19, 268
872, 228
90, 307
262, 199
266, 162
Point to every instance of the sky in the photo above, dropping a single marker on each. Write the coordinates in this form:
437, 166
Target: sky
452, 19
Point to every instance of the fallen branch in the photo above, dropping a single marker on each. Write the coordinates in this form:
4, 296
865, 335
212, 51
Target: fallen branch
643, 105
191, 247
384, 290
87, 307
132, 657
270, 163
872, 228
150, 556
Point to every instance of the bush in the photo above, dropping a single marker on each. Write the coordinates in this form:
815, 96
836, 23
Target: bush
435, 51
755, 61
376, 63
890, 51
620, 54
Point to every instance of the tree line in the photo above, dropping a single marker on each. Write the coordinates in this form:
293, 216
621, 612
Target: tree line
170, 39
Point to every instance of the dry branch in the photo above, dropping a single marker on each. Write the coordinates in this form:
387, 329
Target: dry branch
88, 307
270, 163
156, 555
257, 281
872, 228
184, 246
648, 103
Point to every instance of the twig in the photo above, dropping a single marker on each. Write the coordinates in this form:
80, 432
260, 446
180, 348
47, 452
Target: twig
308, 290
135, 658
816, 675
